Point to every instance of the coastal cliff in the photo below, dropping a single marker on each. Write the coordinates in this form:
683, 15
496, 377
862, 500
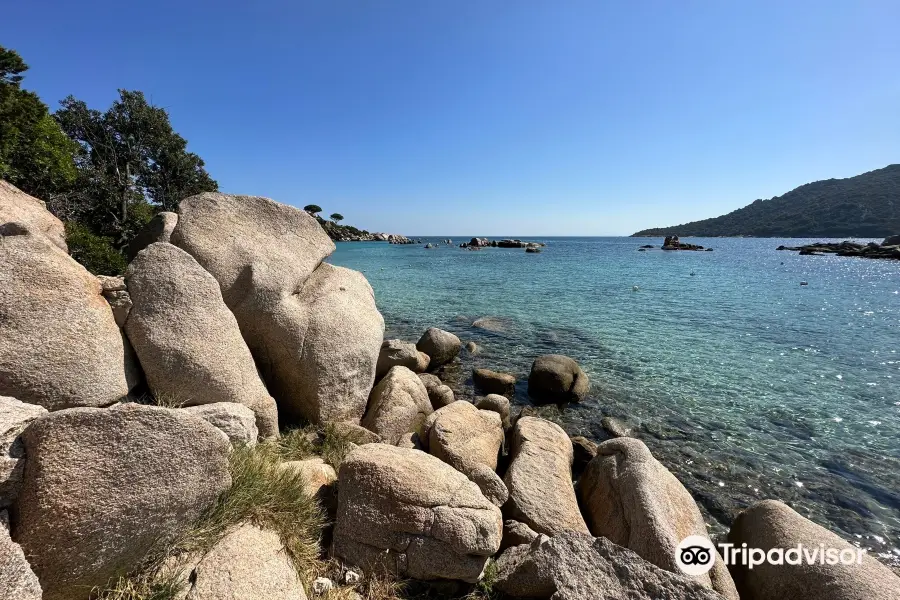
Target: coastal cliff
226, 421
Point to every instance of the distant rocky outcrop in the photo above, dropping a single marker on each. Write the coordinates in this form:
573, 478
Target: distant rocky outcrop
673, 243
861, 206
889, 248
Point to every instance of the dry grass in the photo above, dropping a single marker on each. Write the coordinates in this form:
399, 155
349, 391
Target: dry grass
274, 499
260, 493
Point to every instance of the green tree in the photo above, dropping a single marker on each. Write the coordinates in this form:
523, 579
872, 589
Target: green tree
313, 209
337, 217
35, 155
131, 162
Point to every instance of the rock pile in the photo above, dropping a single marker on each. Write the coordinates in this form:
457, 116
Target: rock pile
889, 248
234, 322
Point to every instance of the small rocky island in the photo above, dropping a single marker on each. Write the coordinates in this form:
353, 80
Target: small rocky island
673, 243
889, 248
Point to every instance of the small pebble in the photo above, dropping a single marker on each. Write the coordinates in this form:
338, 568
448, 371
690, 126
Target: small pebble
322, 585
351, 577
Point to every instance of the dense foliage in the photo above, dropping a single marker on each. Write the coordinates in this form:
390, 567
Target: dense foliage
35, 155
867, 205
105, 174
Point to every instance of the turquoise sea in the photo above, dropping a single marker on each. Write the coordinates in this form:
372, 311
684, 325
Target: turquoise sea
744, 383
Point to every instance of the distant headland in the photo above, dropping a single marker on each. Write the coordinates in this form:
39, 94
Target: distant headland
866, 205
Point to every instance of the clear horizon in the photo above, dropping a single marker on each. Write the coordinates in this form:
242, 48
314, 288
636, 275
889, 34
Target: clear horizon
550, 120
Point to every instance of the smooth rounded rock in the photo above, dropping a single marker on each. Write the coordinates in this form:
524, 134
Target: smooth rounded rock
493, 382
441, 346
539, 478
398, 405
555, 378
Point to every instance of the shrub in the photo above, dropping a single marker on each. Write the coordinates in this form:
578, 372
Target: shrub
96, 253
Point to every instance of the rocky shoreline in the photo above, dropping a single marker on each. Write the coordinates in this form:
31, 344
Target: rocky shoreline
889, 248
227, 421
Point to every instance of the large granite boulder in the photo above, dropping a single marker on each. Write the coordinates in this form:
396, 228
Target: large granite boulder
577, 566
103, 486
413, 515
442, 346
235, 420
555, 378
398, 405
59, 343
18, 207
248, 562
158, 230
469, 440
17, 580
771, 524
631, 499
539, 478
313, 328
493, 382
15, 416
188, 342
398, 353
439, 393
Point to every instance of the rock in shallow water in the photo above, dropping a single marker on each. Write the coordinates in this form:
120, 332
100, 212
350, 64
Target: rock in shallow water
772, 524
555, 378
493, 382
439, 394
442, 346
413, 515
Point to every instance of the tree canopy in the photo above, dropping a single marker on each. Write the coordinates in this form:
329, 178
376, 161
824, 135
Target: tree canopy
35, 155
336, 217
313, 209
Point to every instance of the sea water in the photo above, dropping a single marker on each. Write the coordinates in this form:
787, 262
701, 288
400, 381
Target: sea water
743, 382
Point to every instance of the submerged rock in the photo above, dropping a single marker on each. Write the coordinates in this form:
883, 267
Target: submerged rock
555, 378
413, 515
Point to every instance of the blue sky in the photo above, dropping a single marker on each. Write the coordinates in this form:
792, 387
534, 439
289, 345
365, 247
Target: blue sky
560, 117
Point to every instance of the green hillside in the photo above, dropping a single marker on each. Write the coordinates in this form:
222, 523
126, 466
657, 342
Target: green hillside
867, 205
